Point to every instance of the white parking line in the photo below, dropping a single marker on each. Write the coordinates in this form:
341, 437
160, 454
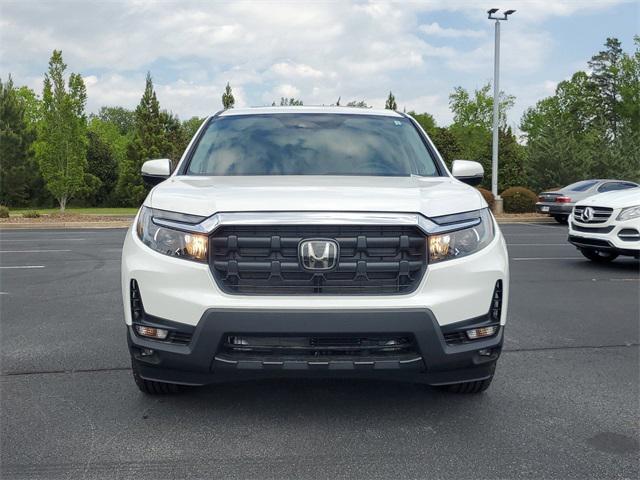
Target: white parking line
540, 244
32, 251
25, 266
23, 240
547, 258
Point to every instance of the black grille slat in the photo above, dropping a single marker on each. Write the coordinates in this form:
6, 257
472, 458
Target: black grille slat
263, 260
236, 346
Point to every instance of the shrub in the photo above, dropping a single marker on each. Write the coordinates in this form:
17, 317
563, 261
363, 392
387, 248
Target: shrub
31, 214
519, 200
4, 211
488, 196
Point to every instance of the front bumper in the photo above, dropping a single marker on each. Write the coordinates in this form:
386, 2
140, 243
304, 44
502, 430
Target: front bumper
605, 236
200, 362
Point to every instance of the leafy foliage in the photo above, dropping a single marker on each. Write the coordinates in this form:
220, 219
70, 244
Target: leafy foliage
4, 211
289, 102
519, 200
391, 104
16, 137
488, 196
228, 100
62, 143
590, 128
103, 165
358, 104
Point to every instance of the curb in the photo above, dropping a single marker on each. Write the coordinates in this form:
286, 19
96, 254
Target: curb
62, 226
526, 220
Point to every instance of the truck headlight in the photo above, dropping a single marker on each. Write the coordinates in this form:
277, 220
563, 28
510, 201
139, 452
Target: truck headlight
629, 213
460, 243
190, 246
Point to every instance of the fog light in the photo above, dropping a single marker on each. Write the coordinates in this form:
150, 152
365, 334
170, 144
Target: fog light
485, 352
476, 333
150, 332
146, 352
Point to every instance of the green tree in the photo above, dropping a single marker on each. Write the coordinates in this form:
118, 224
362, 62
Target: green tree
191, 126
228, 100
175, 139
606, 70
478, 110
290, 102
121, 117
590, 127
149, 142
358, 104
447, 144
62, 144
391, 104
102, 164
16, 138
426, 121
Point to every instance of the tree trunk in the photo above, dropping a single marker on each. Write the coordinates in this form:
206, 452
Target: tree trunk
63, 203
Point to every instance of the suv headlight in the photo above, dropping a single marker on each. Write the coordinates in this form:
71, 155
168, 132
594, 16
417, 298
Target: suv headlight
190, 246
629, 213
460, 243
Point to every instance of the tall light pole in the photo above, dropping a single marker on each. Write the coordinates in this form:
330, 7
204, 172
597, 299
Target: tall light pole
496, 105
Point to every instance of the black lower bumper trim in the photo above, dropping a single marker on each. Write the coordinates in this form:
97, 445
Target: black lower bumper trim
603, 245
202, 361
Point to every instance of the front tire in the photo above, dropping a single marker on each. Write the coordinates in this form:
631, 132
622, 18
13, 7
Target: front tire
599, 256
475, 387
151, 387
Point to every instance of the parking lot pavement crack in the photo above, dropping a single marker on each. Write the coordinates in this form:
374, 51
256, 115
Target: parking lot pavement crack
51, 372
569, 347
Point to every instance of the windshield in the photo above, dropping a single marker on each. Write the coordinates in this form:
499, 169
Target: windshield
311, 144
581, 186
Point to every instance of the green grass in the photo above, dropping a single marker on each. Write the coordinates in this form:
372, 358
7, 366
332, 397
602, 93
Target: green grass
77, 211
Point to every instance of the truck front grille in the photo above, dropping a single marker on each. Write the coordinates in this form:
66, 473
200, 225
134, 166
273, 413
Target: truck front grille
263, 260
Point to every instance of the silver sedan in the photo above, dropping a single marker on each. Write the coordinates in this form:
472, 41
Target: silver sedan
559, 203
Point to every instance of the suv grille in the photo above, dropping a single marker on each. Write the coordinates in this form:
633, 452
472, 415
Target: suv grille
263, 260
600, 214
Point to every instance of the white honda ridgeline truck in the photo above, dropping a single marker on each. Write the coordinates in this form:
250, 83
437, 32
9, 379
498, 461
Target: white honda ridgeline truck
314, 242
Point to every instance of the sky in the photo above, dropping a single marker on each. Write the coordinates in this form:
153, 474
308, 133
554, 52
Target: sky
317, 51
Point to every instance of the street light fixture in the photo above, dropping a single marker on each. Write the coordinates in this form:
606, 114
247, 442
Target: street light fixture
496, 103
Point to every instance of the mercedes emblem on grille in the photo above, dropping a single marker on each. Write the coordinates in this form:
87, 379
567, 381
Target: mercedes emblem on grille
587, 214
318, 254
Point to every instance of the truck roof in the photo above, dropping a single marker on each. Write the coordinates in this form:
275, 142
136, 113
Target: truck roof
305, 109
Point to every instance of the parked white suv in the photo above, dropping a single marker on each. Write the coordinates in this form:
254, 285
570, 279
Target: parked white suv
607, 225
313, 242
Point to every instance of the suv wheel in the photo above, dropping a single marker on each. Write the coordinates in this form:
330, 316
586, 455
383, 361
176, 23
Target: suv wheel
599, 256
151, 387
468, 387
561, 219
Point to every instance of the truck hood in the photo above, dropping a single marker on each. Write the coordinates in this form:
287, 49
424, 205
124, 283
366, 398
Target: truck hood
616, 199
431, 196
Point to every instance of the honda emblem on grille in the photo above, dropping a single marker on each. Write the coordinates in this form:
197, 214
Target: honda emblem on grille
587, 214
318, 254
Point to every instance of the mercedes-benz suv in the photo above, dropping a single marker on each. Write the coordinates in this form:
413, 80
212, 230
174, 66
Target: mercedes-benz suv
314, 242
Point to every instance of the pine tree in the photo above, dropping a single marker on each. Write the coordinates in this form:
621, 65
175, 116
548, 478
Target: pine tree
228, 100
149, 142
16, 138
606, 67
391, 102
61, 147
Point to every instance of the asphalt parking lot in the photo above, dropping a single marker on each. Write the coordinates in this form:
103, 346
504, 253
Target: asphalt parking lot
564, 403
